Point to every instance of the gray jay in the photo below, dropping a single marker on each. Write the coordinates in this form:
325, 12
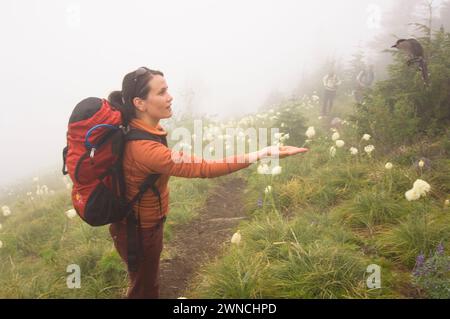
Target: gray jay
415, 51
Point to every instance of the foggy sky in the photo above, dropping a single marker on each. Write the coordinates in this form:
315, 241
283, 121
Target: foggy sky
231, 54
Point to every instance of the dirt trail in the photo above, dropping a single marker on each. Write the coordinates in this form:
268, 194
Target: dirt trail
200, 240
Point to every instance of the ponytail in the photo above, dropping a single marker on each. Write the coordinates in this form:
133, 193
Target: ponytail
116, 100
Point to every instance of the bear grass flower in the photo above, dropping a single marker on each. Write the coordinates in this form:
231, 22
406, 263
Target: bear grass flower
263, 169
276, 170
388, 166
335, 136
284, 137
71, 213
332, 151
420, 189
369, 149
277, 135
412, 195
340, 143
236, 238
310, 132
421, 163
366, 137
6, 211
353, 150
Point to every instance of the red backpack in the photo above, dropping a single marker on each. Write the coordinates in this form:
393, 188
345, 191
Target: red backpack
96, 138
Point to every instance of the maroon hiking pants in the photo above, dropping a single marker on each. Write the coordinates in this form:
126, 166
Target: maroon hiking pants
144, 283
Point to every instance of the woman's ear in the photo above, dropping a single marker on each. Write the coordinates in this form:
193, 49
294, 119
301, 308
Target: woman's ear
139, 104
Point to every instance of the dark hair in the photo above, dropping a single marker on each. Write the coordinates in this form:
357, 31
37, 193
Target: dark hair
133, 85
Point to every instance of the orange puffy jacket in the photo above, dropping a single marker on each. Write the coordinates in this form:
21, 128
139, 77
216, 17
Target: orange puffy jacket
145, 157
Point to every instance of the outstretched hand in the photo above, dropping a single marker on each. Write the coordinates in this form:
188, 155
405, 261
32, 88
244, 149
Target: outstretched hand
283, 151
286, 151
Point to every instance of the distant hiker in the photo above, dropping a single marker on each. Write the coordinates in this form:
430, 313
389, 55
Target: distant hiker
331, 82
364, 80
416, 54
144, 101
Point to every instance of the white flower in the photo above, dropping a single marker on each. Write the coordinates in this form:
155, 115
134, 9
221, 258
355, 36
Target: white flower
311, 132
320, 117
447, 203
268, 189
1, 244
263, 169
6, 211
277, 136
335, 136
333, 151
369, 149
366, 137
421, 163
412, 195
340, 143
421, 187
236, 238
276, 170
71, 213
285, 137
388, 166
315, 98
353, 150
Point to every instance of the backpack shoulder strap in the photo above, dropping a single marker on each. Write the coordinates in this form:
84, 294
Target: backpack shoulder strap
150, 181
135, 135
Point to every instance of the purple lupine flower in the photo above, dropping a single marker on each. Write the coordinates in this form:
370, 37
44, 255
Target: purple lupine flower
260, 203
420, 260
418, 268
440, 249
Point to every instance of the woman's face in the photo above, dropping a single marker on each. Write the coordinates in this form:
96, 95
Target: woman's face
158, 104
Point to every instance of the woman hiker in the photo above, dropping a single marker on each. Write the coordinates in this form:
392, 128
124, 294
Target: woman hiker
144, 101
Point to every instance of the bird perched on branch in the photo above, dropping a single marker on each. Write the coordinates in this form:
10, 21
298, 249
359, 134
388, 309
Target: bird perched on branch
415, 51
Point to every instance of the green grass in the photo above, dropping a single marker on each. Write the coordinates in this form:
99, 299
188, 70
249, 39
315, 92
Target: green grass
39, 242
328, 218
